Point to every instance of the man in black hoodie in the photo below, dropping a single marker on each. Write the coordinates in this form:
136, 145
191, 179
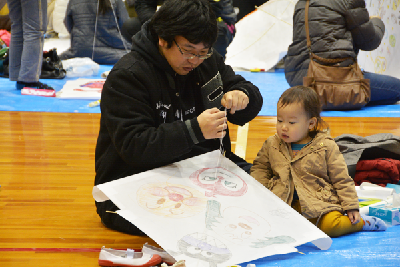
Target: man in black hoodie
165, 101
223, 9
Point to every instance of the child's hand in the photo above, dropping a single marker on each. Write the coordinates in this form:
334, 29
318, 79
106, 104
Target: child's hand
354, 216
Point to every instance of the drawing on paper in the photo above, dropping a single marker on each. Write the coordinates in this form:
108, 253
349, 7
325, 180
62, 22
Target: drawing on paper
203, 247
241, 226
209, 216
384, 59
94, 84
219, 181
171, 200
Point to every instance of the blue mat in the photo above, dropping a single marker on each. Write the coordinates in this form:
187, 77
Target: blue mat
12, 100
357, 249
271, 85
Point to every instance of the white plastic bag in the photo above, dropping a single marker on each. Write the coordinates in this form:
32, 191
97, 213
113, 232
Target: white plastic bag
80, 67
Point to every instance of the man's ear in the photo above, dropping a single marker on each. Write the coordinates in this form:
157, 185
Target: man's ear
313, 123
162, 42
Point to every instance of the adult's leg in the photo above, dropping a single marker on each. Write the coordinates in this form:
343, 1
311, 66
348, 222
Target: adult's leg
114, 221
16, 42
385, 89
34, 25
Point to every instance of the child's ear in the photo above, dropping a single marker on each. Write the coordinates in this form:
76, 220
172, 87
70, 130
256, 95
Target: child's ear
313, 123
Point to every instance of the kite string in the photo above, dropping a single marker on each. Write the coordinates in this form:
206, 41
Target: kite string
221, 149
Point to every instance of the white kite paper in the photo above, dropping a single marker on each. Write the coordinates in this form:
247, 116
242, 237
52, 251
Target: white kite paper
262, 37
209, 212
385, 59
82, 89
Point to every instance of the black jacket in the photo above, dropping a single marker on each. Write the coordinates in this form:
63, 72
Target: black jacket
338, 29
149, 114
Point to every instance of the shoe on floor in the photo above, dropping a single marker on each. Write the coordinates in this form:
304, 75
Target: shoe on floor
154, 250
127, 258
34, 85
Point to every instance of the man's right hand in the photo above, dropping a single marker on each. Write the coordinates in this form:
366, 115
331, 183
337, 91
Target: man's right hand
212, 123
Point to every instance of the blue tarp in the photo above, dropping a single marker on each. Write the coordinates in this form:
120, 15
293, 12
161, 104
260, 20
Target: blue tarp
271, 85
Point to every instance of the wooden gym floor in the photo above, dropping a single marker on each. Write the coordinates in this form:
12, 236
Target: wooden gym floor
47, 213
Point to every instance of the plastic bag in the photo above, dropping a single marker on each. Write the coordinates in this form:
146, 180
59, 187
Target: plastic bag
80, 67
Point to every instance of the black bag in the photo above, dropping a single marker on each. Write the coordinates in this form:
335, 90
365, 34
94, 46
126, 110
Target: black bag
52, 67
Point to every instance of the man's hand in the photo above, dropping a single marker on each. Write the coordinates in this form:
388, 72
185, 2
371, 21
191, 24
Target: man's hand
212, 123
354, 216
235, 100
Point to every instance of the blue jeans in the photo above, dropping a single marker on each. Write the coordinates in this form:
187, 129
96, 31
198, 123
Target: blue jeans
385, 89
29, 23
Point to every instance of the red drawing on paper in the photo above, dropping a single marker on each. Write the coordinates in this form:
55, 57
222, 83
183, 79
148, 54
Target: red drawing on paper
171, 200
219, 181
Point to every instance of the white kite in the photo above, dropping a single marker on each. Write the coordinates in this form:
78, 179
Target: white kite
209, 212
262, 37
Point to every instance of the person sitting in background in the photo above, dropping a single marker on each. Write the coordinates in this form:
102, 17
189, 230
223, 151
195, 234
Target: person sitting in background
94, 26
165, 101
28, 25
338, 29
223, 9
303, 166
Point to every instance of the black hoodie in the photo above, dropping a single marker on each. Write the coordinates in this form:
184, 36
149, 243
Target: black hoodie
149, 113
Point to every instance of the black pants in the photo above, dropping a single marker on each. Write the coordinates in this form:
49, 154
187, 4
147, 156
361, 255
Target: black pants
115, 221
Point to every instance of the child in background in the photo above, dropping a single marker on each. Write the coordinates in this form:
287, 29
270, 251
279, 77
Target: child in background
303, 166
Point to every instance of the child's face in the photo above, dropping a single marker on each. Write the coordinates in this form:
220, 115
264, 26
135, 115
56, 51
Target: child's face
293, 124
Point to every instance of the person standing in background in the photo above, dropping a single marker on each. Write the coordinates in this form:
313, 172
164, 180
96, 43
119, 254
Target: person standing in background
28, 25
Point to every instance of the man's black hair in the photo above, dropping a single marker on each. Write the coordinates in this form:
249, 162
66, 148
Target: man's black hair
191, 19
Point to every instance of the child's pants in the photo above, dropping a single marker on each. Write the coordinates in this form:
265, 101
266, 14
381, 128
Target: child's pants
334, 223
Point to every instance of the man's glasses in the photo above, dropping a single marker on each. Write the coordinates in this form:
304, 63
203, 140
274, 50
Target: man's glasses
188, 55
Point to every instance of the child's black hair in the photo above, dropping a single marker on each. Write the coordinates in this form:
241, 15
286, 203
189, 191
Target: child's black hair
311, 103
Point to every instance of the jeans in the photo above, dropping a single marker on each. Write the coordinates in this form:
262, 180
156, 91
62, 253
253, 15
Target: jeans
385, 89
29, 23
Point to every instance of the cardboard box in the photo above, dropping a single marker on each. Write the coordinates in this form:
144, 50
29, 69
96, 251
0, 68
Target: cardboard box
386, 212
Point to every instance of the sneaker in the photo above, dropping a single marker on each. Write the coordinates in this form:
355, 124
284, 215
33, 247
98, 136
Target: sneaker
168, 259
34, 85
127, 258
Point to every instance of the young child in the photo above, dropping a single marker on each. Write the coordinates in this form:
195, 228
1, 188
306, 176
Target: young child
303, 166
